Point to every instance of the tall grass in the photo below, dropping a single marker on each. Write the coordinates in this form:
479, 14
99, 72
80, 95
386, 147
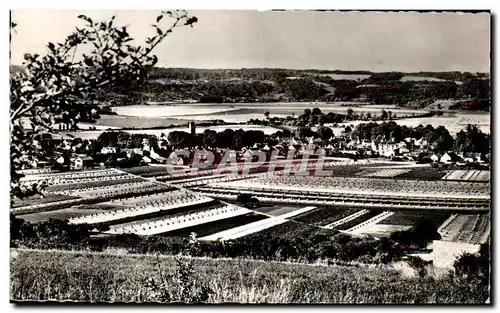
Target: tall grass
99, 277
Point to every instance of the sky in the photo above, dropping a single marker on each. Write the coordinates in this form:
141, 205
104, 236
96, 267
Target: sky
373, 41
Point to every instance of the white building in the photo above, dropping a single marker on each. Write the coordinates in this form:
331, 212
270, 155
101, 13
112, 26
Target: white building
109, 150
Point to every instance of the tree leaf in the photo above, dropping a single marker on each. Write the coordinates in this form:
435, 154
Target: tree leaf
158, 18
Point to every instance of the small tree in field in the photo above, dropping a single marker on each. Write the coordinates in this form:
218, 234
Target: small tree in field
57, 87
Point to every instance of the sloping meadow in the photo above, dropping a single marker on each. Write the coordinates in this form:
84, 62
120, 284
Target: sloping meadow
104, 277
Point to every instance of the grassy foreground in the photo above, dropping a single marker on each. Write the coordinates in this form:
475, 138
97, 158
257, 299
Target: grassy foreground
84, 276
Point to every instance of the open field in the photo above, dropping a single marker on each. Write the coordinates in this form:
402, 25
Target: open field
207, 111
56, 276
121, 121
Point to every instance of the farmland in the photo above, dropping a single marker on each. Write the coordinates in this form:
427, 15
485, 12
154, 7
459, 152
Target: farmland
291, 207
404, 218
37, 199
290, 230
324, 216
211, 228
298, 219
358, 220
367, 186
122, 121
468, 175
466, 228
132, 204
427, 173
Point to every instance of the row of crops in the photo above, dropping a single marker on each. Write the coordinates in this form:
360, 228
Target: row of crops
95, 184
379, 185
358, 220
37, 199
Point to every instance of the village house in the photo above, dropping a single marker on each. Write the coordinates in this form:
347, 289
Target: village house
392, 149
81, 162
450, 157
435, 157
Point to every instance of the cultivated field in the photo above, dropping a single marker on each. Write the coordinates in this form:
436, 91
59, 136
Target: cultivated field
468, 175
121, 121
466, 228
371, 197
355, 185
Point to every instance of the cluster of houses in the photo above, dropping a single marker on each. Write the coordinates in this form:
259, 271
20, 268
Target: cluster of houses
79, 156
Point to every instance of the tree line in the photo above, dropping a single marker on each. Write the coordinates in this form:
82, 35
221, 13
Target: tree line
281, 85
470, 140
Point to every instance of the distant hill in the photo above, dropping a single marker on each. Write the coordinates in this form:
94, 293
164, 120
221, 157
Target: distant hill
283, 85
